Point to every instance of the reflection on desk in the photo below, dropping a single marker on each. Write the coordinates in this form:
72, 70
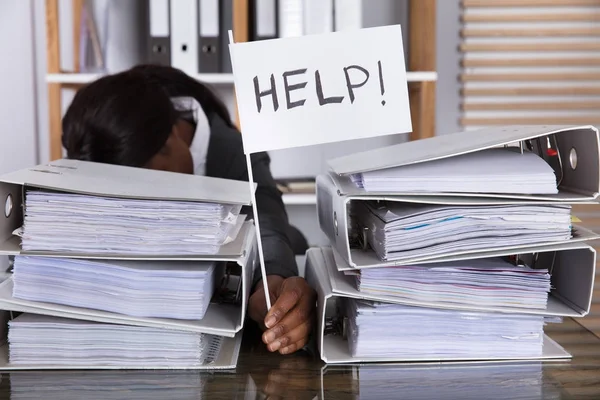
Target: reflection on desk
262, 375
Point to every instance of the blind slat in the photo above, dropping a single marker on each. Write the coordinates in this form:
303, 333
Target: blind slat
534, 32
529, 3
582, 105
531, 62
555, 17
533, 91
591, 119
592, 46
590, 76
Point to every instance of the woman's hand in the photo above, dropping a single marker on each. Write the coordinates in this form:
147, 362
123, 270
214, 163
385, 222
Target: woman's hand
289, 322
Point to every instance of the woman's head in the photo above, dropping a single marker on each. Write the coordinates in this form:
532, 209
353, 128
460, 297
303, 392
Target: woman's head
129, 119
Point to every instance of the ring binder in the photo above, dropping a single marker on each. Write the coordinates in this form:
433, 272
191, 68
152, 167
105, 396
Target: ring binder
230, 289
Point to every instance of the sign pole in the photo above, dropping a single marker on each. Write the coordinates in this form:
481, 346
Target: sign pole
258, 238
261, 257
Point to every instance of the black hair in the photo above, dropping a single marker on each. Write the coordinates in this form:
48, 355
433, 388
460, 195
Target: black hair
126, 118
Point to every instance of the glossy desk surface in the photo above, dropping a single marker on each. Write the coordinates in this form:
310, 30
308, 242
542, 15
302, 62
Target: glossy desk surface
263, 375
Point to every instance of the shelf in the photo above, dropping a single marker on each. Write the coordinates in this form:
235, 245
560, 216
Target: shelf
299, 199
81, 78
215, 79
421, 76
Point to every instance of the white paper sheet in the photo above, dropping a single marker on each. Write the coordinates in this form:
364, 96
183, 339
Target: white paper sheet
393, 330
93, 224
40, 339
479, 282
497, 170
156, 289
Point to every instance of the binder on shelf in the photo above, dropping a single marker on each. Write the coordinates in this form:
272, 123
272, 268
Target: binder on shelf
349, 238
159, 40
290, 15
318, 16
264, 19
184, 35
226, 25
209, 41
331, 338
348, 14
572, 266
572, 151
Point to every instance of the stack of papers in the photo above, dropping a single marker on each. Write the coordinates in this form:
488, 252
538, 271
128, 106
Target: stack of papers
44, 340
64, 222
398, 331
156, 289
498, 170
107, 385
491, 282
396, 229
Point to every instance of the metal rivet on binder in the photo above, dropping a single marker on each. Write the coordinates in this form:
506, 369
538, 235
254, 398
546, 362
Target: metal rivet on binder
573, 158
8, 206
363, 239
335, 223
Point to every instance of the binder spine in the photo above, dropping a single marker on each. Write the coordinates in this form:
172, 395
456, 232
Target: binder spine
226, 24
264, 19
184, 35
159, 42
290, 15
209, 49
326, 214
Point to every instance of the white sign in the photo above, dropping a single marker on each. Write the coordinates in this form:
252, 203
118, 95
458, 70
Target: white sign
307, 90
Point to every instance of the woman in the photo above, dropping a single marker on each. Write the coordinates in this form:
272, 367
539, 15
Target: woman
159, 118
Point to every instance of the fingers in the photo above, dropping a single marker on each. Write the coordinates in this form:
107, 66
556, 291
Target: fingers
288, 333
257, 307
294, 346
290, 296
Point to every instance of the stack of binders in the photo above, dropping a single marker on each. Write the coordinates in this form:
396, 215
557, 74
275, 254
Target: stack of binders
123, 268
456, 248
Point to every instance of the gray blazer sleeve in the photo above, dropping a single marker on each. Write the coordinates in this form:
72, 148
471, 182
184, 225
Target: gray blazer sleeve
226, 159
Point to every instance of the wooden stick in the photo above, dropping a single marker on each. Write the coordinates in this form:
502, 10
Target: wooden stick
563, 76
534, 91
54, 90
531, 62
77, 13
422, 57
241, 34
591, 46
575, 105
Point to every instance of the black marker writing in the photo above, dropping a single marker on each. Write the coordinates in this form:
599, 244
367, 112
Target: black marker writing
351, 86
381, 85
322, 99
259, 95
289, 88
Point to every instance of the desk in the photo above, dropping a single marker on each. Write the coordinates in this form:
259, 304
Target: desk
300, 376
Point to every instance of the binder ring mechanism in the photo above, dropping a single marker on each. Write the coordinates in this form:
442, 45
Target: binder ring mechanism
547, 149
337, 326
227, 294
519, 262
